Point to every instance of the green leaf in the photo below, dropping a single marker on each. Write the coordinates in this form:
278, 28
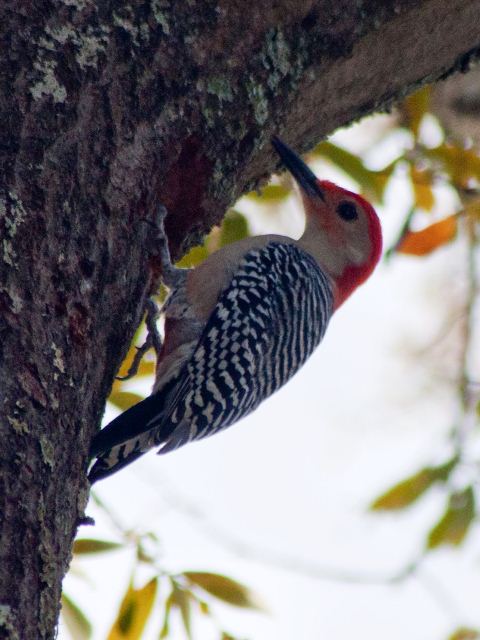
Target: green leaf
124, 399
270, 194
77, 623
373, 182
90, 545
194, 257
223, 588
465, 633
407, 491
234, 227
134, 611
455, 522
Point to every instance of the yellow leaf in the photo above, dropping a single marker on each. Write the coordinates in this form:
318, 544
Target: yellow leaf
415, 107
461, 165
124, 399
127, 361
146, 368
165, 630
420, 243
223, 588
455, 522
422, 188
77, 623
134, 611
181, 598
473, 210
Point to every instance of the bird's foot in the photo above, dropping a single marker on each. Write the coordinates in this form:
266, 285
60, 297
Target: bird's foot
153, 339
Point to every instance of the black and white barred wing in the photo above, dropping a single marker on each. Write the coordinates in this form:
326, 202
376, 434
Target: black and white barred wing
265, 325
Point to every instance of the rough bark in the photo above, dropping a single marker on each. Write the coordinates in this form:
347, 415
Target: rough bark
106, 109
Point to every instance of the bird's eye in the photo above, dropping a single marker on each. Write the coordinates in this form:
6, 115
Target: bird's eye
347, 211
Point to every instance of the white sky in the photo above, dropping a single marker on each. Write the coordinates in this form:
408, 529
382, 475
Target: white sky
293, 481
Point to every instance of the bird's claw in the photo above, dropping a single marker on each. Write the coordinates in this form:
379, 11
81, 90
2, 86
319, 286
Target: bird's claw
153, 340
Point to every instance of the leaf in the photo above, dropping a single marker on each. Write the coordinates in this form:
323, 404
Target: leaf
415, 107
406, 492
124, 399
165, 630
454, 524
90, 545
223, 588
77, 623
145, 368
271, 193
134, 611
461, 165
464, 633
234, 227
420, 243
373, 182
181, 598
472, 209
422, 187
194, 257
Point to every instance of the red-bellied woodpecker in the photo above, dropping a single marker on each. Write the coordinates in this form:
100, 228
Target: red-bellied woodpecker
239, 325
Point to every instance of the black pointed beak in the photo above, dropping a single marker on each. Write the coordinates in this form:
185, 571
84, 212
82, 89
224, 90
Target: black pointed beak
305, 177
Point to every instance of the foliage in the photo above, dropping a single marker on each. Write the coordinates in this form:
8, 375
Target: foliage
183, 596
177, 595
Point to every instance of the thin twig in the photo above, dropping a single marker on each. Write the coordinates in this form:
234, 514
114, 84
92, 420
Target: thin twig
467, 395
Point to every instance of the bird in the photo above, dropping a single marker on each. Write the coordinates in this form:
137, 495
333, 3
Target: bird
242, 323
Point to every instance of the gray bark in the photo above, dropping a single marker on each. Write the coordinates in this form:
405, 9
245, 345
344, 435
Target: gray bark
108, 108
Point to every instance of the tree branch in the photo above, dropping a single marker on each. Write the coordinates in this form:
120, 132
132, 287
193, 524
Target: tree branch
106, 109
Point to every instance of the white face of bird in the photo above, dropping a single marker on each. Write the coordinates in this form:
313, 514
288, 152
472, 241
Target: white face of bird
342, 229
345, 225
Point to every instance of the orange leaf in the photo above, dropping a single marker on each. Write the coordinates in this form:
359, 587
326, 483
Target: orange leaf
420, 243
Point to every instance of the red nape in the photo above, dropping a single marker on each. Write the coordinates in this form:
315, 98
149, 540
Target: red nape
351, 278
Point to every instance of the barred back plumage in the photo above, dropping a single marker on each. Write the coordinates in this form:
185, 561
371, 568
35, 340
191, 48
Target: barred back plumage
265, 325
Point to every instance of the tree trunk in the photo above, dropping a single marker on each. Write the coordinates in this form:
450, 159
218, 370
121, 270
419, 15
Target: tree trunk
107, 109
